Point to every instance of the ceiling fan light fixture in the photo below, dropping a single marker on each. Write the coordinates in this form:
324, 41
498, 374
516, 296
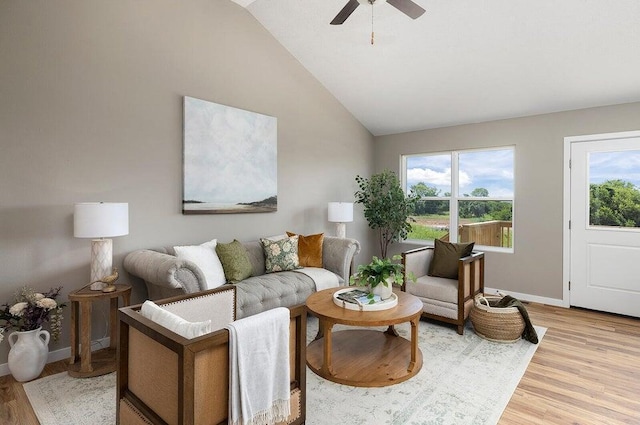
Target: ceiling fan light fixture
408, 7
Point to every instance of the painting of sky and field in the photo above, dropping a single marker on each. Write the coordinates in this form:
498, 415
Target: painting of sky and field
230, 160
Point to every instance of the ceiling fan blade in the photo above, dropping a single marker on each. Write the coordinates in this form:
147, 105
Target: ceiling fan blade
407, 7
345, 12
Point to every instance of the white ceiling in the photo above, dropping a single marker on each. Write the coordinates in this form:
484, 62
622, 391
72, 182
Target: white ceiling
463, 61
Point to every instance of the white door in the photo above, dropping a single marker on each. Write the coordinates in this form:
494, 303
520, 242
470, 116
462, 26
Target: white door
605, 224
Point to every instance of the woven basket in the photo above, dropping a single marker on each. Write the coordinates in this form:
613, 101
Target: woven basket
494, 323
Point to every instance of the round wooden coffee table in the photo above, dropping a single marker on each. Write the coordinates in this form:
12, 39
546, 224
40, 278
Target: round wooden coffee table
364, 357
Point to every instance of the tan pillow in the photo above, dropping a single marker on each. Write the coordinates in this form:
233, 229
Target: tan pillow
309, 249
446, 256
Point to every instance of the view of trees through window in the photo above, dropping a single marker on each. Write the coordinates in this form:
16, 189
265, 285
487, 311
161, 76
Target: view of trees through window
477, 202
614, 189
614, 203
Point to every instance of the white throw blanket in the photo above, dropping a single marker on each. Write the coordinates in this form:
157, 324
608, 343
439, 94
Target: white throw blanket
323, 278
259, 368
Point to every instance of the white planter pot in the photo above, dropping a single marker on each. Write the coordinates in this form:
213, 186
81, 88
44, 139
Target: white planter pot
384, 291
28, 353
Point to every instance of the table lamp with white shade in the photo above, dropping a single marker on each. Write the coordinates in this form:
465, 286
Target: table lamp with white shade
341, 213
100, 220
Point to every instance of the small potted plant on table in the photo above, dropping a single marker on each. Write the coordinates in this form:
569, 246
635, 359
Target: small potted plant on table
380, 275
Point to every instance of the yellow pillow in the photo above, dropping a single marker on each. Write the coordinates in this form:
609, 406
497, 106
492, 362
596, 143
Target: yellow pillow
309, 249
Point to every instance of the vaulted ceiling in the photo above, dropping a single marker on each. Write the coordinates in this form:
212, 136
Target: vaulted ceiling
463, 61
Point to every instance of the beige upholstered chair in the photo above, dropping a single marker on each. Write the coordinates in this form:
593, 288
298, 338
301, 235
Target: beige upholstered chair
164, 378
446, 300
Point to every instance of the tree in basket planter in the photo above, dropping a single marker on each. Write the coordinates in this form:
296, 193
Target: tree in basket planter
380, 275
386, 207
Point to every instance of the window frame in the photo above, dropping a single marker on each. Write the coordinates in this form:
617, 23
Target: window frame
455, 197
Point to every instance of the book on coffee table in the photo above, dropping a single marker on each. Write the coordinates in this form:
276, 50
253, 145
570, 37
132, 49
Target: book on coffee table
358, 296
360, 299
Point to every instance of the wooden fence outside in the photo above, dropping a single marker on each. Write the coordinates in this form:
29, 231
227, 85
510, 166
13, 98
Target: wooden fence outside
489, 233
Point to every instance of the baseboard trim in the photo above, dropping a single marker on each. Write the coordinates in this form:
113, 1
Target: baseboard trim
528, 297
61, 354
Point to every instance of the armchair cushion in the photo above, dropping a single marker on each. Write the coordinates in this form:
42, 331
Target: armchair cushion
235, 261
435, 288
446, 256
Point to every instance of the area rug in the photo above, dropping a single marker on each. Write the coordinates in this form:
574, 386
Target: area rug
62, 400
464, 380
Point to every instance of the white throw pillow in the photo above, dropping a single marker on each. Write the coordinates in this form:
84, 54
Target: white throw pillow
204, 256
173, 322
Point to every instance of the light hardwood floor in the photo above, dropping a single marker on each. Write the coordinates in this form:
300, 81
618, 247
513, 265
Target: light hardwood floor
586, 371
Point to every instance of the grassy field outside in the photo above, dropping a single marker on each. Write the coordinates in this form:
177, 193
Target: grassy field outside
429, 227
425, 233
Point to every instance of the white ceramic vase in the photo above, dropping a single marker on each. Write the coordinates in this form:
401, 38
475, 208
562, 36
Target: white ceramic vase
384, 291
28, 353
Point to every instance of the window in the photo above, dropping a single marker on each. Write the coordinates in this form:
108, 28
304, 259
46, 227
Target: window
464, 196
614, 189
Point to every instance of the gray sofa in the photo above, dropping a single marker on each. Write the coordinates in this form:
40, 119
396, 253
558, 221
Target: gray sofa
166, 275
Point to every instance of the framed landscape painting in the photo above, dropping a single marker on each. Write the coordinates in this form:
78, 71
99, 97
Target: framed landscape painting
230, 160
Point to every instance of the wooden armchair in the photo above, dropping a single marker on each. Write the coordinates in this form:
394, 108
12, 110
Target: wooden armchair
445, 300
164, 378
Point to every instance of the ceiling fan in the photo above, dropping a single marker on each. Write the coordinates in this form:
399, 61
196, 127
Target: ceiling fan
407, 7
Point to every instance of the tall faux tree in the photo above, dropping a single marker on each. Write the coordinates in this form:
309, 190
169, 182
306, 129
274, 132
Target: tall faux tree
386, 207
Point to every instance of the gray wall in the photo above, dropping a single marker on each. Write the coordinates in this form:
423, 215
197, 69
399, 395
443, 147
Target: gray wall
535, 267
91, 110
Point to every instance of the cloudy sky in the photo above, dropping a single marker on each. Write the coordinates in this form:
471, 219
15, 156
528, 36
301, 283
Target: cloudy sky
488, 169
605, 166
230, 155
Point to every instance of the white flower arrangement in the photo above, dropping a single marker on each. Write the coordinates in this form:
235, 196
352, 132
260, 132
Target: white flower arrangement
31, 310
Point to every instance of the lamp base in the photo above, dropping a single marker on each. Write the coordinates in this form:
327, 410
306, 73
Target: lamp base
101, 261
341, 230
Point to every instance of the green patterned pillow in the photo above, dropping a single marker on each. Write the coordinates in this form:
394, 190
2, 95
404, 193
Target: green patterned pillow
235, 261
281, 255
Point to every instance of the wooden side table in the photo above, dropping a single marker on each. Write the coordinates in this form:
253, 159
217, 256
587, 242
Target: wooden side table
83, 363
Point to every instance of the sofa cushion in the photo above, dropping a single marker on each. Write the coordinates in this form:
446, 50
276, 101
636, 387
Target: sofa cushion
309, 249
235, 261
204, 256
446, 256
280, 255
267, 291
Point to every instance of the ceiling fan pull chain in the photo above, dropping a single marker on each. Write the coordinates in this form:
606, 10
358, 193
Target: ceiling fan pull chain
371, 22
